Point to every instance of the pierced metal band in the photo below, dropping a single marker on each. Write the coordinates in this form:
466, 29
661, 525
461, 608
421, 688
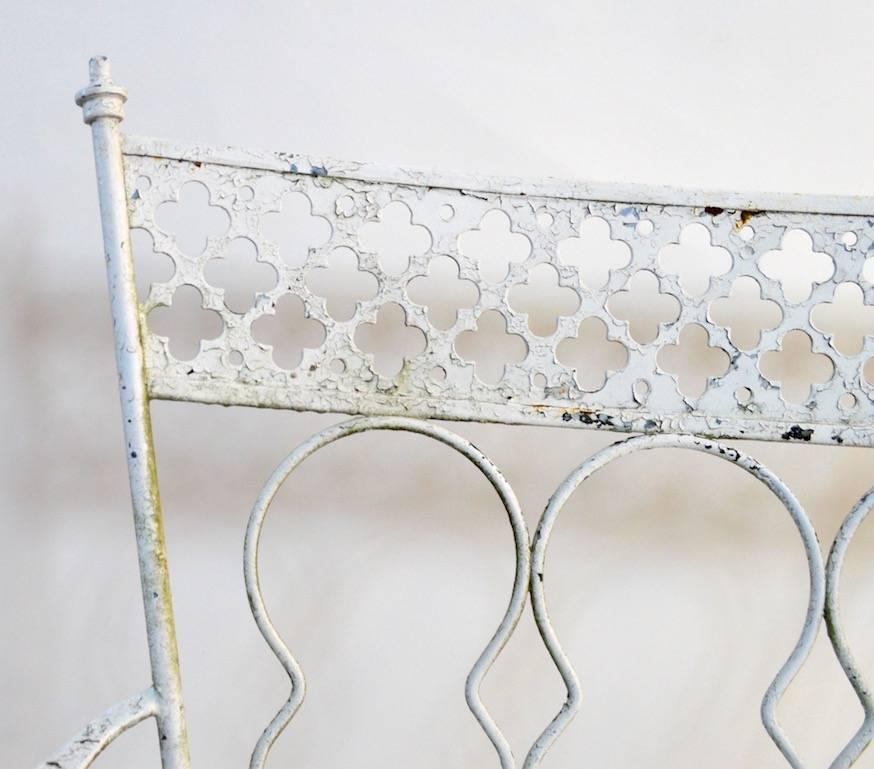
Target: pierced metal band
497, 237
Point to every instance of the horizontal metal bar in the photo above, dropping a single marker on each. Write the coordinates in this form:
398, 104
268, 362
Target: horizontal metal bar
293, 162
198, 389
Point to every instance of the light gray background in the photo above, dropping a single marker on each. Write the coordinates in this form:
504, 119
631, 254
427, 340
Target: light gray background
677, 585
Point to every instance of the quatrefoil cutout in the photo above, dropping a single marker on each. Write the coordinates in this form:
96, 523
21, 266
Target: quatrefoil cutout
592, 354
491, 347
390, 341
795, 367
288, 331
543, 299
186, 323
241, 276
643, 307
342, 284
846, 319
442, 292
192, 219
295, 229
694, 259
693, 361
796, 266
493, 246
745, 314
395, 238
152, 266
594, 252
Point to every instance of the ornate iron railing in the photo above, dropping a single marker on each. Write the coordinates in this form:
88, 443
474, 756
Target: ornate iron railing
792, 254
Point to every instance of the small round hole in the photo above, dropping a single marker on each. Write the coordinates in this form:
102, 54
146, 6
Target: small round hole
337, 366
645, 227
345, 205
438, 374
235, 358
746, 233
849, 239
446, 213
539, 381
847, 402
545, 220
743, 395
640, 390
142, 183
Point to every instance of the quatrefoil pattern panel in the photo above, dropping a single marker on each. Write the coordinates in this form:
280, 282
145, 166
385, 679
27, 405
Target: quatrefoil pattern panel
519, 270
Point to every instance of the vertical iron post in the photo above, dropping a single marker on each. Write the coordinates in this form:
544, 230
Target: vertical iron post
102, 104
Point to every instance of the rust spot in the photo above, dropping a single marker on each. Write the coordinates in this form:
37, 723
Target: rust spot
745, 216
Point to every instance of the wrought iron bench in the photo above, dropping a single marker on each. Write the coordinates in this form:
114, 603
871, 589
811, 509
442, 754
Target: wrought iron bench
542, 223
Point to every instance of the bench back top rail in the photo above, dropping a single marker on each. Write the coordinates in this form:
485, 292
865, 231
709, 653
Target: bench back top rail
594, 246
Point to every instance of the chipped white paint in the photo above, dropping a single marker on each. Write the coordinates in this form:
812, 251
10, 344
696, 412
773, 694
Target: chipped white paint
84, 748
351, 196
135, 176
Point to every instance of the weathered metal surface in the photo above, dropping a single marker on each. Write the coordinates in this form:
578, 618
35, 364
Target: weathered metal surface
544, 218
865, 733
84, 748
102, 104
135, 177
817, 586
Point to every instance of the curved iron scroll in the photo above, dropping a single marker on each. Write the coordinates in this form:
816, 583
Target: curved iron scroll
862, 738
287, 660
83, 749
780, 490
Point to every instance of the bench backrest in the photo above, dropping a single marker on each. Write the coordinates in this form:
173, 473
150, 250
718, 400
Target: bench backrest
540, 303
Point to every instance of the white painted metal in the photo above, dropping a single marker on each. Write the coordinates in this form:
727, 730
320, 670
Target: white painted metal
135, 176
296, 163
817, 588
865, 734
102, 106
502, 634
81, 751
539, 390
